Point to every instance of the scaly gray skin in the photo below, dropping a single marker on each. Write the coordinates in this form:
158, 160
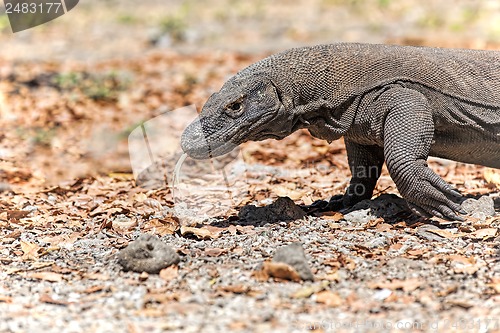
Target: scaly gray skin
397, 104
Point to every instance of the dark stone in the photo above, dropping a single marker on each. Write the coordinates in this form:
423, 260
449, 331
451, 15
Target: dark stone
147, 254
294, 256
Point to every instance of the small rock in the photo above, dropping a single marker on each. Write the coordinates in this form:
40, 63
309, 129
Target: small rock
294, 256
147, 254
382, 294
377, 242
359, 216
143, 277
481, 208
5, 187
30, 208
283, 209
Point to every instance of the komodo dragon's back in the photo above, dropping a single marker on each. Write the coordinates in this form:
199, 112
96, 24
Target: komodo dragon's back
450, 71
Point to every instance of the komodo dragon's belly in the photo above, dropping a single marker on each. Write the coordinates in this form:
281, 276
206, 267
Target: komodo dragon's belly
469, 134
474, 149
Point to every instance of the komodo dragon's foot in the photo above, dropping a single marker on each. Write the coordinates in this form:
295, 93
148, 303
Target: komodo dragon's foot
429, 195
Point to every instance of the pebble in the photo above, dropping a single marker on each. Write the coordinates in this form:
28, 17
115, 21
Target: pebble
147, 254
481, 208
294, 256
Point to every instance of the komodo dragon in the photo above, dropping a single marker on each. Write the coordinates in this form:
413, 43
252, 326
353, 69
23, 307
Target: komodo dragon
400, 104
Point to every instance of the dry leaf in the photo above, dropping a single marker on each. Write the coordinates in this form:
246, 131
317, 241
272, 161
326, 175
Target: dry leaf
123, 223
381, 227
140, 197
169, 273
405, 285
45, 298
31, 251
5, 299
215, 231
446, 233
495, 285
238, 250
215, 252
329, 298
331, 277
235, 289
94, 289
163, 227
4, 216
246, 230
307, 291
415, 253
281, 270
461, 264
154, 204
200, 233
335, 216
284, 191
17, 214
483, 234
260, 275
492, 176
47, 276
461, 303
97, 276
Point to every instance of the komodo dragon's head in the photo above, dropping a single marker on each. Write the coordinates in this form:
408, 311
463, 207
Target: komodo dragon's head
248, 107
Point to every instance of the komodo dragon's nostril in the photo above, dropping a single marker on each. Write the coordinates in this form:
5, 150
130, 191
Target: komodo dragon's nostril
197, 136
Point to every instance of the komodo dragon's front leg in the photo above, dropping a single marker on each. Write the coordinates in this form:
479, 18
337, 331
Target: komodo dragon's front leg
408, 130
365, 163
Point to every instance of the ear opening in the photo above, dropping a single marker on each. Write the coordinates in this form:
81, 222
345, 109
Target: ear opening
279, 93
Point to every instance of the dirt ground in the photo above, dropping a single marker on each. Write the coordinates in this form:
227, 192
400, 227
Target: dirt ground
74, 90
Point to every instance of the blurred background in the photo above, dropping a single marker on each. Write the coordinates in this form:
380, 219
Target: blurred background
72, 90
124, 28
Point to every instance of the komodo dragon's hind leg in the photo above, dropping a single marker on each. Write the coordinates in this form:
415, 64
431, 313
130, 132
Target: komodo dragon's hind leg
365, 163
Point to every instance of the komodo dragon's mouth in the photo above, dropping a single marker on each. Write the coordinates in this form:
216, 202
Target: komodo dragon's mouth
200, 148
212, 151
198, 145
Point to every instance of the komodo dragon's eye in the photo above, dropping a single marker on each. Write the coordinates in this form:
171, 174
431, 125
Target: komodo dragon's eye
235, 106
234, 109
